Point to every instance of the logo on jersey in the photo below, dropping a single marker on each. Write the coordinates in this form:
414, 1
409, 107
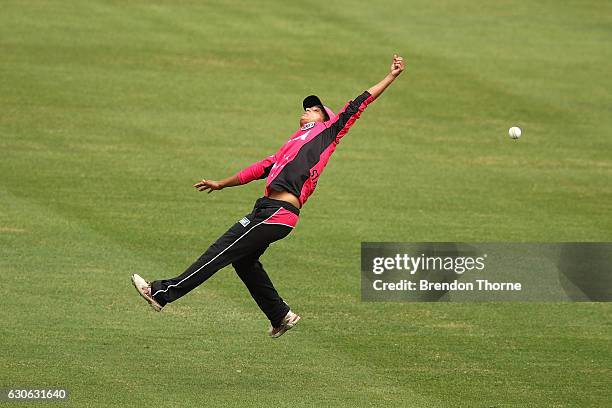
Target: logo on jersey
303, 137
307, 126
245, 221
314, 177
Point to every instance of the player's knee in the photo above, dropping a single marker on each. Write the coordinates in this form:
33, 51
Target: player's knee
246, 264
240, 265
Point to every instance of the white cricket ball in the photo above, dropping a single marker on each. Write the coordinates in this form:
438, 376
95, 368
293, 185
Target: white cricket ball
514, 132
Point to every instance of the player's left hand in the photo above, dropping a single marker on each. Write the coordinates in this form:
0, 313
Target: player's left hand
209, 185
397, 65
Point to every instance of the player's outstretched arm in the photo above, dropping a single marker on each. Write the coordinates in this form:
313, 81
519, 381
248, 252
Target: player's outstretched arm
351, 112
212, 185
255, 171
397, 66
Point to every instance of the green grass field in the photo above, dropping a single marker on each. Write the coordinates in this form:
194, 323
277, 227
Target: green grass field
110, 111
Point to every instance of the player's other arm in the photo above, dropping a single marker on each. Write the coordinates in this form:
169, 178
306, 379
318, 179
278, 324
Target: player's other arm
255, 171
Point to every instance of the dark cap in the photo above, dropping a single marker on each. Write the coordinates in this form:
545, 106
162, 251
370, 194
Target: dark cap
313, 100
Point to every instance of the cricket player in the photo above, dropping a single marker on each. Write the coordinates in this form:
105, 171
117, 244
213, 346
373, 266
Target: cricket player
291, 177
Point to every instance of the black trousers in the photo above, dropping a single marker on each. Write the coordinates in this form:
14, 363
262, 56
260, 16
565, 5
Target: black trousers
241, 245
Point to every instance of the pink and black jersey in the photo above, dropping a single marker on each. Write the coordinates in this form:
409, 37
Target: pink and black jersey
298, 164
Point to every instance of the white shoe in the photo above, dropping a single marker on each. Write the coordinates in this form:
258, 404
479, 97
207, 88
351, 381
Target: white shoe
144, 289
287, 323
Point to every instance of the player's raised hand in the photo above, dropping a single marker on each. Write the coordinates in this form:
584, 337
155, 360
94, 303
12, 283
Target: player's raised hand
209, 185
397, 65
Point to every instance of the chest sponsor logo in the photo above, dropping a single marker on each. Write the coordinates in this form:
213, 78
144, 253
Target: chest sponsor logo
245, 221
307, 126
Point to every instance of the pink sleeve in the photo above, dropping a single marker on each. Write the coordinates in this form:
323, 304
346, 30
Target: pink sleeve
256, 171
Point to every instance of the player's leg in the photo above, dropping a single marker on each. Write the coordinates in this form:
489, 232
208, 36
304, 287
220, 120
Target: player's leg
231, 246
246, 236
254, 276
